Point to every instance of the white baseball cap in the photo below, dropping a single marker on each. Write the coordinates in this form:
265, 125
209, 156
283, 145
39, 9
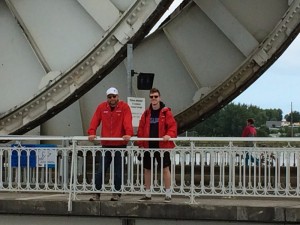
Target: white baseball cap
112, 91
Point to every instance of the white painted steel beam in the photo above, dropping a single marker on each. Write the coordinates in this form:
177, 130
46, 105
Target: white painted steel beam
229, 25
104, 12
28, 35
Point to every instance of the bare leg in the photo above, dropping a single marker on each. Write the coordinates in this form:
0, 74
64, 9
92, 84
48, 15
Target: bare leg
147, 177
167, 178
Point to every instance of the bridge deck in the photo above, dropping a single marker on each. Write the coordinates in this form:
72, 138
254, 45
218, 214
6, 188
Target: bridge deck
279, 210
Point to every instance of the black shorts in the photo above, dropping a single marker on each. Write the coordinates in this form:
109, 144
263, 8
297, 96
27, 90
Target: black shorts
147, 159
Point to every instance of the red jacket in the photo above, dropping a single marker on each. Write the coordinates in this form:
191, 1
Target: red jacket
116, 123
249, 131
166, 126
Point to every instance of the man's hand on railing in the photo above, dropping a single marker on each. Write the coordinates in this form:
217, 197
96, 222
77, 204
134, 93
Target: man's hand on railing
91, 137
166, 137
126, 137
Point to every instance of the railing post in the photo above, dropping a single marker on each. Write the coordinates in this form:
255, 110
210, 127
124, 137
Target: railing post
72, 183
192, 199
231, 168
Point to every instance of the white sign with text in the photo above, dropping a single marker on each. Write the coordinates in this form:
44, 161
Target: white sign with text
137, 106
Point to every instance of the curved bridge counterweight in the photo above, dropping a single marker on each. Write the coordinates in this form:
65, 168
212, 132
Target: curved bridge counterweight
55, 51
208, 50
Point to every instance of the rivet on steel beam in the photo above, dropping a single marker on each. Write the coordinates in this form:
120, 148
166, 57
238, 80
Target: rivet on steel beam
43, 98
93, 58
82, 68
26, 110
98, 53
65, 81
103, 48
14, 116
87, 63
32, 106
138, 9
143, 3
8, 120
54, 90
49, 94
60, 86
108, 43
20, 113
37, 102
133, 15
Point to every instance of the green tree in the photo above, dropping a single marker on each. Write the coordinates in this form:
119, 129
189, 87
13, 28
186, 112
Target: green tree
274, 114
263, 131
296, 117
230, 121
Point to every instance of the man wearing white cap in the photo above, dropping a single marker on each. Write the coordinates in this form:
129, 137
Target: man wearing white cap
116, 118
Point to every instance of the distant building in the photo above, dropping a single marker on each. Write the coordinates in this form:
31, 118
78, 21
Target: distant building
274, 124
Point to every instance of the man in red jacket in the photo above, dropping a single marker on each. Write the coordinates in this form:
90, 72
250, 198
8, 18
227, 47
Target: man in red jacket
116, 118
157, 122
250, 131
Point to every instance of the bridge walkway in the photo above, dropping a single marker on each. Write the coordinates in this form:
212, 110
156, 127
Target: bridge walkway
235, 209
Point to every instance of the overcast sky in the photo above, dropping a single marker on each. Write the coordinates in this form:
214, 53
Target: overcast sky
279, 86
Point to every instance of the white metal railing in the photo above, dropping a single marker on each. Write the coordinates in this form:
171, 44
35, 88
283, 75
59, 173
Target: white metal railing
267, 167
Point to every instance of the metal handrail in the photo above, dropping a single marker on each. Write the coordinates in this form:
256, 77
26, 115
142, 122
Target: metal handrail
228, 168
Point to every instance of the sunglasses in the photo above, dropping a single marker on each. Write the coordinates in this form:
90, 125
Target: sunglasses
111, 96
153, 96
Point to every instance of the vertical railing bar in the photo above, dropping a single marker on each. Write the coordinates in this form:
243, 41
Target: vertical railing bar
129, 168
182, 172
151, 172
138, 166
84, 172
113, 155
123, 169
94, 153
192, 198
130, 164
231, 167
142, 187
56, 169
74, 154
